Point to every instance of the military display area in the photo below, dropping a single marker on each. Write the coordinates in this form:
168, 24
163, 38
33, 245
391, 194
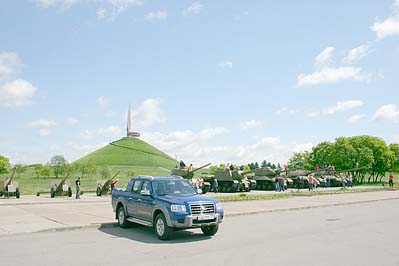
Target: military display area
186, 133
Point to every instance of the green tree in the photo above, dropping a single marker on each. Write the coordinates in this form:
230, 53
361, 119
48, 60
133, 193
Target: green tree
58, 163
4, 164
300, 160
105, 172
46, 171
38, 170
19, 169
394, 147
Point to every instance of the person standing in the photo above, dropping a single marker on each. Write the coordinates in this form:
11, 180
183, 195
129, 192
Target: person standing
298, 182
215, 185
391, 180
276, 185
350, 181
310, 182
77, 182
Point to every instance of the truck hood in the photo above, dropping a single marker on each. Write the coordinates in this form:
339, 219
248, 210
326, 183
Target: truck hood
187, 199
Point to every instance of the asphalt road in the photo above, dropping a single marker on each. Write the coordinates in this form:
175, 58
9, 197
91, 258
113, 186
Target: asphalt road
362, 234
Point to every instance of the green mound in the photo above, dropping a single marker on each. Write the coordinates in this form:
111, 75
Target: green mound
129, 152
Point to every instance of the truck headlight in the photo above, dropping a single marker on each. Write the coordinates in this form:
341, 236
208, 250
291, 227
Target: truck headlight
219, 206
178, 208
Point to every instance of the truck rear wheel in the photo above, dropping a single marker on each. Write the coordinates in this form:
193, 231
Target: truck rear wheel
122, 221
163, 231
210, 230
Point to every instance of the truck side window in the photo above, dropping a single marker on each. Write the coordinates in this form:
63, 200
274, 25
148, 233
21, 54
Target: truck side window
136, 186
146, 186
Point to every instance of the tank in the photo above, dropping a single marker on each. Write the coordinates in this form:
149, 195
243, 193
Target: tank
264, 178
186, 174
232, 181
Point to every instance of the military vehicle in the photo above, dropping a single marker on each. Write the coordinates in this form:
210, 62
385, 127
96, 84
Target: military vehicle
232, 181
186, 174
104, 187
264, 178
59, 188
9, 188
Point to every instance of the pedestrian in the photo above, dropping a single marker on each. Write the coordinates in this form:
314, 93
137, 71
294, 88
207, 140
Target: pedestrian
281, 185
315, 183
113, 182
215, 185
328, 181
350, 181
276, 185
298, 182
391, 180
190, 168
77, 182
231, 167
310, 182
317, 168
343, 181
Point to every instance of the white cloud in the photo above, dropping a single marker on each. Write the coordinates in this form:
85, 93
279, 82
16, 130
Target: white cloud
194, 8
148, 114
112, 130
226, 64
56, 3
355, 118
101, 13
324, 58
45, 132
16, 93
45, 126
329, 75
10, 64
43, 123
157, 15
102, 101
72, 121
389, 112
284, 109
105, 9
390, 26
342, 106
250, 124
356, 54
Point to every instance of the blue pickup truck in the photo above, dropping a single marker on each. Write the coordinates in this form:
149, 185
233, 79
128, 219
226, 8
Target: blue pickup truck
167, 203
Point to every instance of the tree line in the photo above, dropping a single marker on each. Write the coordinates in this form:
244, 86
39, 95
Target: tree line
365, 157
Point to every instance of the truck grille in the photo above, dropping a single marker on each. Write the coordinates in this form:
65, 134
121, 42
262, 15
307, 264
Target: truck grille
207, 208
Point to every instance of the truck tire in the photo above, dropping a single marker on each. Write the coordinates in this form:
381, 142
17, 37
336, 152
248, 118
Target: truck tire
121, 215
163, 231
210, 230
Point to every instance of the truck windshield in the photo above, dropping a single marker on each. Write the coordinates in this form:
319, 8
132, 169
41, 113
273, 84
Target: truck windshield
173, 187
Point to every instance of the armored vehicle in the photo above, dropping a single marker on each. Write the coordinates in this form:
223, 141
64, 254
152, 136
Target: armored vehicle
59, 188
232, 181
186, 174
104, 187
9, 188
264, 178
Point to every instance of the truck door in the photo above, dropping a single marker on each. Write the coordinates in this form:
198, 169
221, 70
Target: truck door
146, 202
133, 197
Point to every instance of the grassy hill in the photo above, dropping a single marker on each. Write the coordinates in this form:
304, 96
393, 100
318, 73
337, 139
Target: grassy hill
129, 152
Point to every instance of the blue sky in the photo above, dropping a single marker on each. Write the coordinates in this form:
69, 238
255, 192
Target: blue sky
208, 81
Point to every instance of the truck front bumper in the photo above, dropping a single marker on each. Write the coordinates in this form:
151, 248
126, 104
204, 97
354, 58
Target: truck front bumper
192, 221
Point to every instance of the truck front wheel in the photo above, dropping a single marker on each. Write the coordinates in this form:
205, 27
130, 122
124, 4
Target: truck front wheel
210, 230
163, 231
122, 221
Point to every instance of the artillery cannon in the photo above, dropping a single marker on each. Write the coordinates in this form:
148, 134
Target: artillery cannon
104, 188
9, 188
186, 174
59, 189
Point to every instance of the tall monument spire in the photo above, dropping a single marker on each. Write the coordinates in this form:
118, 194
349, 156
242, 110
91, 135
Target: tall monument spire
130, 133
